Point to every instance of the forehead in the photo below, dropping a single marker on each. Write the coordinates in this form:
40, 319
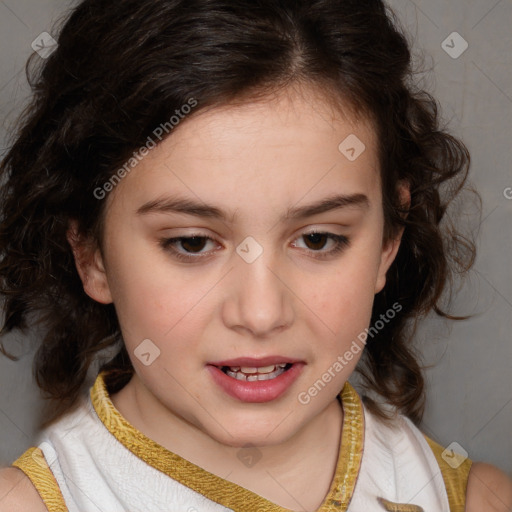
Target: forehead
287, 117
282, 147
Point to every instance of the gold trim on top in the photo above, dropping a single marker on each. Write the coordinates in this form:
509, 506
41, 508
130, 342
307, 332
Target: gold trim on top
33, 463
351, 452
224, 492
391, 506
455, 479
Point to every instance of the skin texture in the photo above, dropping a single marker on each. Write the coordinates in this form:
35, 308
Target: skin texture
18, 493
489, 488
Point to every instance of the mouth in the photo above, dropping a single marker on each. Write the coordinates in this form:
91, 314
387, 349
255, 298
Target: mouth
256, 380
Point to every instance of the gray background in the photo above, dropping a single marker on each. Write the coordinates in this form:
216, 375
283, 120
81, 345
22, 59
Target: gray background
470, 386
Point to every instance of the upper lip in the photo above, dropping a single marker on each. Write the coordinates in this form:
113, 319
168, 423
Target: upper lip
253, 362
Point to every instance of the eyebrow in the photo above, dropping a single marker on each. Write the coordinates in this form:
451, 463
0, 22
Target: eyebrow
190, 207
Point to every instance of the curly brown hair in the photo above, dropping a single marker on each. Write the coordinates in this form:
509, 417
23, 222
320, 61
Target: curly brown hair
122, 69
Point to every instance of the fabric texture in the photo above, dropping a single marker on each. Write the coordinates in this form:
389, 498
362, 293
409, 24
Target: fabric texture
93, 460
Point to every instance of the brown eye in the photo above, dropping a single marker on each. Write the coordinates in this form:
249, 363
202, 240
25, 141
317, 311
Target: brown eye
318, 240
192, 244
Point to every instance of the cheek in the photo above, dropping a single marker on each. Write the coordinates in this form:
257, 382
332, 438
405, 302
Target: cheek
152, 298
164, 307
347, 295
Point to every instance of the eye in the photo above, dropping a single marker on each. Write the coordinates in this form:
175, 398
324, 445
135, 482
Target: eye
318, 239
194, 244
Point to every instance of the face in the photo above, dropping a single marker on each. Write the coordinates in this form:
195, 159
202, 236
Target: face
224, 266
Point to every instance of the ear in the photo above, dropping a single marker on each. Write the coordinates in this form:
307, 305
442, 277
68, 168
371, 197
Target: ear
390, 249
89, 264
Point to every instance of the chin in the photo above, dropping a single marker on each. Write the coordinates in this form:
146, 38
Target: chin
266, 436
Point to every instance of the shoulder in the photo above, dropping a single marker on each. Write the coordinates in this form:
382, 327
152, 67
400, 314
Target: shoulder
489, 489
18, 493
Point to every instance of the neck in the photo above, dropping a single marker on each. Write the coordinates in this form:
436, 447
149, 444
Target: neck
283, 472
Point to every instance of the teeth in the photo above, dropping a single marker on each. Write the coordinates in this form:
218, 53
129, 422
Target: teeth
254, 369
261, 369
249, 376
248, 369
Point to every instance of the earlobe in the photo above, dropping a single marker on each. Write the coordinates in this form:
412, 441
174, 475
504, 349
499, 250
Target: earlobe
390, 250
89, 264
388, 255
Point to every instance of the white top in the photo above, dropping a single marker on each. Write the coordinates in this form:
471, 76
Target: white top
98, 467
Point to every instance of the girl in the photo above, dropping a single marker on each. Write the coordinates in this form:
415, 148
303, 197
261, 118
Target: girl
220, 210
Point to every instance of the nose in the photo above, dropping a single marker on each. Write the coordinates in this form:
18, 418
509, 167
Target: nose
259, 300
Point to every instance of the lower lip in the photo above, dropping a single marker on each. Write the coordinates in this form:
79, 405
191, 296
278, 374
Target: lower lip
257, 391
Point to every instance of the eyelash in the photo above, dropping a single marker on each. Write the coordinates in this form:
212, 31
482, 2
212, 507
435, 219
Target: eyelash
341, 242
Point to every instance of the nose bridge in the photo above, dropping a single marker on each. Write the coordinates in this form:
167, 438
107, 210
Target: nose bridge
260, 301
